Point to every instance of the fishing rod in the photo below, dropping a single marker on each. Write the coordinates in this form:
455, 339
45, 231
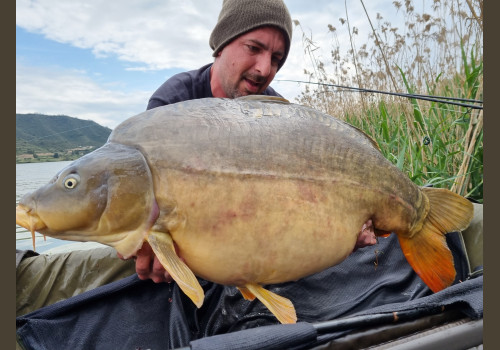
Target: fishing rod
440, 99
58, 133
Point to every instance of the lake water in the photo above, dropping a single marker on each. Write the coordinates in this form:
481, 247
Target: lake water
29, 177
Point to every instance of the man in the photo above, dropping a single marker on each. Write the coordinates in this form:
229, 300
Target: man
251, 41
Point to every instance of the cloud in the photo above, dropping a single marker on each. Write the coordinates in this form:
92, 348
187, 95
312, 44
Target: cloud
156, 34
74, 93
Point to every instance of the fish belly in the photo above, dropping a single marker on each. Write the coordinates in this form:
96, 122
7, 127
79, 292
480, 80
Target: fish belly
259, 229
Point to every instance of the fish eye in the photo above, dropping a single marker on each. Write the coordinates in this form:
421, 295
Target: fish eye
71, 181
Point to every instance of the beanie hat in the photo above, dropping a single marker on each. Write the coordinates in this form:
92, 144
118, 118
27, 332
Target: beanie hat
240, 16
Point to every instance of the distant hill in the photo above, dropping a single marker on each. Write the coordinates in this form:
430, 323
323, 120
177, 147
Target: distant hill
56, 136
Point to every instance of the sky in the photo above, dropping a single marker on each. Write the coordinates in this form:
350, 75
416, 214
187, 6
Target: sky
102, 60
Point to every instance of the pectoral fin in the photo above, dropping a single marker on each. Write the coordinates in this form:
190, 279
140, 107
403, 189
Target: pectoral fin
281, 307
163, 246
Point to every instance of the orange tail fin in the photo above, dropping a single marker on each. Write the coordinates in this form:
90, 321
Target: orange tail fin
426, 250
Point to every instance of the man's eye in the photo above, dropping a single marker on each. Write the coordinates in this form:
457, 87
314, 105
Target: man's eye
276, 60
252, 48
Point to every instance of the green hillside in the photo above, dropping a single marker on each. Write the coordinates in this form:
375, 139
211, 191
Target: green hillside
56, 137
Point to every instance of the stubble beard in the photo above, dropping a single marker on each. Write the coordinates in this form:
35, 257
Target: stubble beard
233, 91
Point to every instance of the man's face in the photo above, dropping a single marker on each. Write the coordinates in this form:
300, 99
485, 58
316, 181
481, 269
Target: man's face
248, 64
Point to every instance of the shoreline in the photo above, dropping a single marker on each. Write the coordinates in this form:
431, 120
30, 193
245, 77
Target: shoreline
46, 160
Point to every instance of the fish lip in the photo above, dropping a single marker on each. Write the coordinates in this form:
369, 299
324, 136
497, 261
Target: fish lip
26, 218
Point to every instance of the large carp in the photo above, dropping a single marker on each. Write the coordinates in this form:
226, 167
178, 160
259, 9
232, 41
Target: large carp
248, 192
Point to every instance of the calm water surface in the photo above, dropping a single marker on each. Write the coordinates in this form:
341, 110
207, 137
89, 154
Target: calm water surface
29, 177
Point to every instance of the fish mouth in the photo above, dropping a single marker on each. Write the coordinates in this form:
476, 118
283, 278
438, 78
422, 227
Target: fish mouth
25, 217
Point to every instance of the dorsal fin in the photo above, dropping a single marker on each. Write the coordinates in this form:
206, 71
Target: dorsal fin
264, 98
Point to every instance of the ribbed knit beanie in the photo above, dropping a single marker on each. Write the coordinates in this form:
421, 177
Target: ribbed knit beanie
240, 16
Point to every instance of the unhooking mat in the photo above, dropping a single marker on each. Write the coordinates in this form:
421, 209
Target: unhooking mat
135, 314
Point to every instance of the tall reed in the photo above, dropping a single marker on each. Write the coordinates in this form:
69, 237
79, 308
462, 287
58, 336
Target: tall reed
439, 52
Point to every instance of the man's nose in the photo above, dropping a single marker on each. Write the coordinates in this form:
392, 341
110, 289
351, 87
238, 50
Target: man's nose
263, 64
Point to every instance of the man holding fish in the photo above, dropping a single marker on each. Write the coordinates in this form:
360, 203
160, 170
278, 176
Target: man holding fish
251, 42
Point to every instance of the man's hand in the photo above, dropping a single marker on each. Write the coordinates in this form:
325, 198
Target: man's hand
148, 266
366, 237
